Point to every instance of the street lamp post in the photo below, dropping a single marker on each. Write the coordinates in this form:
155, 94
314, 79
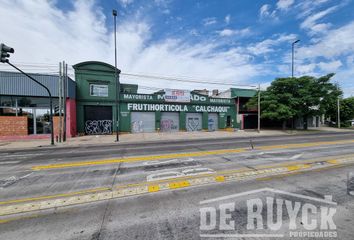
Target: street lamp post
292, 57
259, 109
338, 112
114, 12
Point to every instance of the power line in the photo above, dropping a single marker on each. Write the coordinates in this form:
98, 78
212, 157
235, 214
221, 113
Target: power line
182, 80
39, 66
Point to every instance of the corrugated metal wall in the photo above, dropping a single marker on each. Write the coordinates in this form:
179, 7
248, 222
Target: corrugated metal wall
13, 83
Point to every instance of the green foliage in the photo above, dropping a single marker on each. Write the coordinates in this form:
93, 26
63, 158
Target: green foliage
305, 96
346, 110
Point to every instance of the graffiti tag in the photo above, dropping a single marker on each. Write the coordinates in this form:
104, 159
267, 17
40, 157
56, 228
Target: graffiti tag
93, 127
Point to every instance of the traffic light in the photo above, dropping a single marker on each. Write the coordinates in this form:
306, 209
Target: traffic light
4, 53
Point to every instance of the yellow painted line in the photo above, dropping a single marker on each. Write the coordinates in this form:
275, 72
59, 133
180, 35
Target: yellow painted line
68, 199
183, 181
220, 178
301, 145
18, 218
298, 167
136, 159
180, 184
240, 170
295, 173
55, 196
181, 155
153, 188
333, 161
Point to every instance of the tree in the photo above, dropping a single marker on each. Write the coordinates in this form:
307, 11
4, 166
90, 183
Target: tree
346, 111
303, 97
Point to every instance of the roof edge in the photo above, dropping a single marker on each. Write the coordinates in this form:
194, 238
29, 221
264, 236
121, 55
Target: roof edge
81, 64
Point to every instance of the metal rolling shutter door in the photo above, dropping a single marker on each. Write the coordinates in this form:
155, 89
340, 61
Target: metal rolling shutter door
194, 121
142, 122
169, 122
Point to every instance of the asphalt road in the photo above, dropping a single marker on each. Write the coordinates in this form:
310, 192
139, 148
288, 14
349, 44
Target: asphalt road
164, 215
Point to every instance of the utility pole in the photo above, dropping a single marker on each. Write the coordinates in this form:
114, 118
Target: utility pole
114, 12
338, 112
292, 57
259, 108
60, 98
65, 96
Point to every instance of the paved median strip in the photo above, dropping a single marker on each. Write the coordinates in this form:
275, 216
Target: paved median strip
87, 196
182, 155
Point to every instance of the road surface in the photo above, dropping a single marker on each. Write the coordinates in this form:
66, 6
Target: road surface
172, 214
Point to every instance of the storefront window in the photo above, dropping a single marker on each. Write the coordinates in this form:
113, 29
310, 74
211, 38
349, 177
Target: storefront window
35, 108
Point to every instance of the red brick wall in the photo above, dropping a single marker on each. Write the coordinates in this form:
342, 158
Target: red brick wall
13, 126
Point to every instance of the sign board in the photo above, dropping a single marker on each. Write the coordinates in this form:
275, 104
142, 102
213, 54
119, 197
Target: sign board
175, 95
99, 90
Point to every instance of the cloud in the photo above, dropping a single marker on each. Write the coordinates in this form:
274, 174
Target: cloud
284, 5
227, 19
231, 32
125, 3
80, 34
209, 21
266, 12
336, 42
269, 45
330, 67
305, 69
310, 23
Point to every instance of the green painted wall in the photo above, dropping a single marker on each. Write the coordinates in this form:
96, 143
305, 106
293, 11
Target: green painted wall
240, 92
87, 73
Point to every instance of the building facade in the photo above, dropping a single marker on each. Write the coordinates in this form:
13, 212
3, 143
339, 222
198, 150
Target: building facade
167, 110
24, 105
246, 116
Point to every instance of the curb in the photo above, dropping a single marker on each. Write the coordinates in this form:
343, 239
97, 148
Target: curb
162, 185
152, 142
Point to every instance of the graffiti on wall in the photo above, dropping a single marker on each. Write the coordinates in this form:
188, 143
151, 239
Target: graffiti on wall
137, 127
211, 124
93, 127
168, 125
193, 124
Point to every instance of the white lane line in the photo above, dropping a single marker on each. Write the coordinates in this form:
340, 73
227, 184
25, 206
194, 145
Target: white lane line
26, 175
8, 162
296, 156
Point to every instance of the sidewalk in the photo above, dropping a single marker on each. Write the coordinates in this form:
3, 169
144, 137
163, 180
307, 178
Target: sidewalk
149, 137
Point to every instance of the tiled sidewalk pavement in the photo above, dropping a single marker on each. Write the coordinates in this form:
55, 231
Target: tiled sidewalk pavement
22, 143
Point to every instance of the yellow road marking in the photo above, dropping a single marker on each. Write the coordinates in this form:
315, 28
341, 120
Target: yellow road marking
55, 196
180, 184
295, 173
220, 178
148, 187
18, 218
136, 159
154, 188
181, 155
301, 145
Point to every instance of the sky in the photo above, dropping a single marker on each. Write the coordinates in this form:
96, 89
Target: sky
228, 43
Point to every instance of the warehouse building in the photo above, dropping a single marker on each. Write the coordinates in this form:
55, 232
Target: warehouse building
91, 105
167, 110
24, 105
